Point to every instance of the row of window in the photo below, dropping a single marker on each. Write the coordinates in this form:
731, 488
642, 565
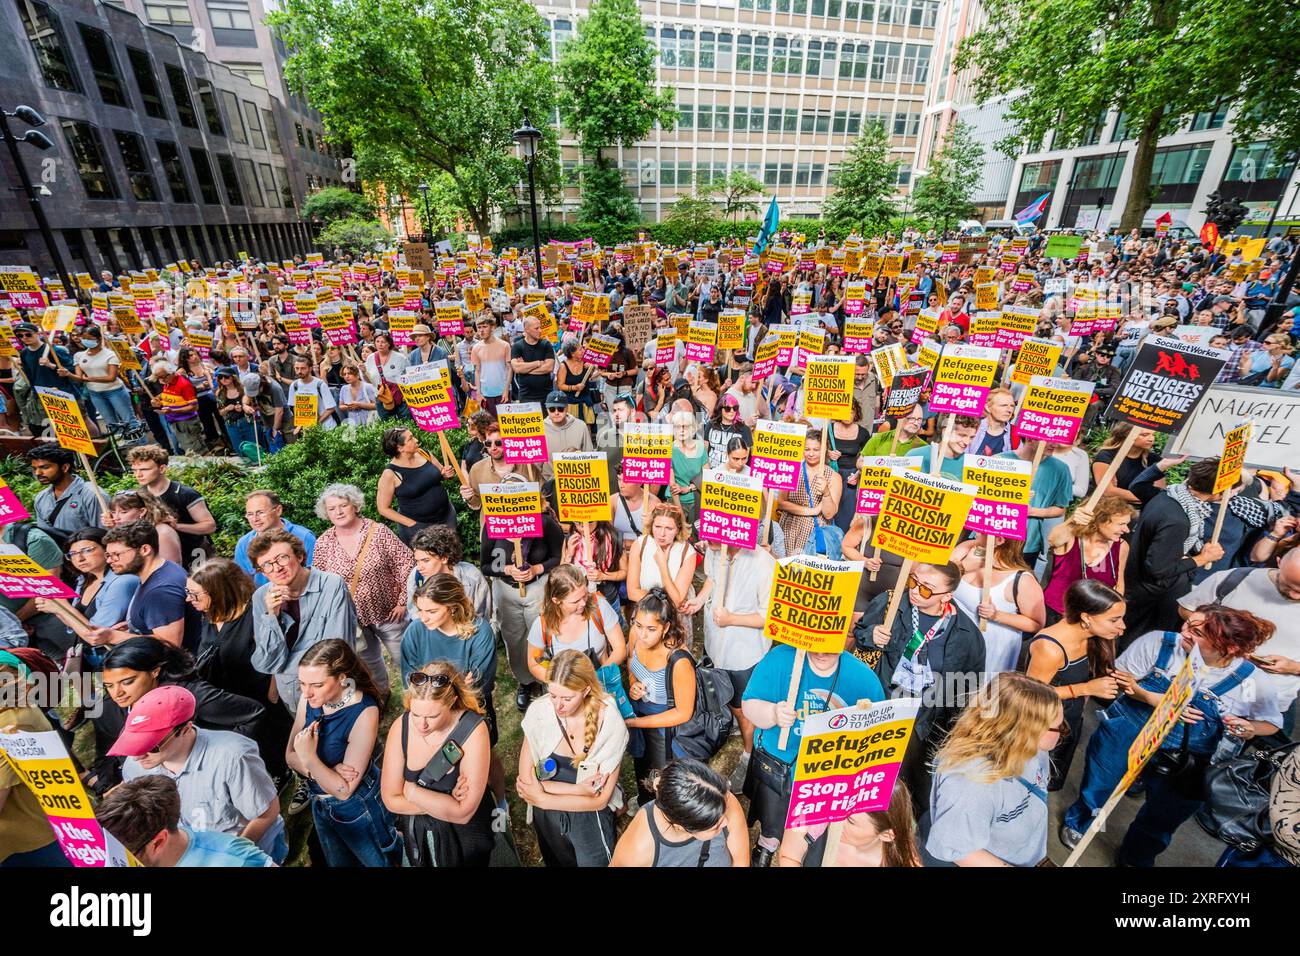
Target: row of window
260, 185
249, 125
1173, 166
756, 119
916, 13
223, 14
887, 61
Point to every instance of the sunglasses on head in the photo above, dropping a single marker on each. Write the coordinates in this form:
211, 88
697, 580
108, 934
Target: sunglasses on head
420, 678
924, 590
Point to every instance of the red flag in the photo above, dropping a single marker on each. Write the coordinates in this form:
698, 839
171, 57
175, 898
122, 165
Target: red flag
1209, 235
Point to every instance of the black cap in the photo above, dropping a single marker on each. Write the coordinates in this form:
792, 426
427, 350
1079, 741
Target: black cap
557, 399
25, 327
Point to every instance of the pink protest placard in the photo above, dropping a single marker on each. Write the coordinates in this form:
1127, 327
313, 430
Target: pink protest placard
765, 358
426, 389
21, 577
512, 509
1053, 409
777, 455
1001, 506
599, 350
647, 453
11, 509
522, 436
962, 378
701, 342
665, 347
874, 476
731, 508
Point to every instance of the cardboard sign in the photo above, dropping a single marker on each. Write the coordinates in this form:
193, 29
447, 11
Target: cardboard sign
855, 298
512, 509
731, 508
778, 453
1276, 413
126, 357
426, 389
336, 324
21, 577
40, 759
811, 603
874, 477
1063, 247
984, 329
1037, 357
701, 342
849, 761
1016, 324
812, 342
582, 486
765, 358
523, 439
599, 350
22, 286
647, 453
400, 324
65, 415
1001, 506
962, 379
305, 414
787, 337
731, 329
1053, 409
922, 516
828, 387
1165, 383
1235, 444
638, 321
1164, 715
11, 507
905, 392
857, 336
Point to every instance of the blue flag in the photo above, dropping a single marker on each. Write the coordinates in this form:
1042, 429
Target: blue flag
770, 224
1034, 209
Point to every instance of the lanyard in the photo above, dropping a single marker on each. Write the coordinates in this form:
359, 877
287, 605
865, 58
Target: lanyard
918, 640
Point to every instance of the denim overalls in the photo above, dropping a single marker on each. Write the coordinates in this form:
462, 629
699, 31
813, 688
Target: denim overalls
1166, 808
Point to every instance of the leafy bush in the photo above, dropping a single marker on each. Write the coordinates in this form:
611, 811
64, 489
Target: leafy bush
673, 234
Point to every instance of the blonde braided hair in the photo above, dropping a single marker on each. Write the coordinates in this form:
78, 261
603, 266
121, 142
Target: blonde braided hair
573, 670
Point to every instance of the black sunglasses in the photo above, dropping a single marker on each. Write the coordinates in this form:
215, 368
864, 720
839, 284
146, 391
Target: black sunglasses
420, 678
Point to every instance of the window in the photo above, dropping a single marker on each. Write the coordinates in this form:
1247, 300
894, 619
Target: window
136, 163
88, 153
1097, 172
703, 117
891, 11
51, 52
667, 174
740, 118
1256, 161
302, 141
819, 8
773, 120
904, 175
756, 119
920, 59
876, 118
685, 116
286, 191
208, 100
272, 131
806, 121
685, 173
100, 53
668, 46
252, 72
846, 62
841, 121
1039, 176
169, 13
311, 139
173, 171
852, 10
708, 50
791, 121
779, 47
720, 117
234, 195
760, 54
724, 51
794, 66
562, 32
181, 96
855, 123
770, 173
203, 172
250, 182
1121, 131
813, 65
803, 172
885, 62
1212, 119
150, 95
1182, 166
786, 175
230, 15
1092, 135
232, 116
686, 49
818, 174
900, 124
828, 58
744, 53
254, 125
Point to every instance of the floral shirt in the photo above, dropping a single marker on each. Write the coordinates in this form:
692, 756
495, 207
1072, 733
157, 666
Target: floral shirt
381, 585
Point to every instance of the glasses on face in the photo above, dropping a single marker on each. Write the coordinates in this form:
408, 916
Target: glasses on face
923, 589
493, 443
118, 556
259, 515
82, 552
420, 678
163, 743
276, 564
1062, 728
193, 595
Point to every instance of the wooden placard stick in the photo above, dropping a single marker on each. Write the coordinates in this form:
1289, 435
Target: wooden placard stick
796, 674
896, 596
90, 476
1223, 510
936, 456
835, 832
519, 563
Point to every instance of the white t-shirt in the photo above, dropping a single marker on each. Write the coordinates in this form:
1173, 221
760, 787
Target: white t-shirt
393, 368
591, 640
1259, 595
98, 365
365, 392
324, 399
1251, 699
749, 583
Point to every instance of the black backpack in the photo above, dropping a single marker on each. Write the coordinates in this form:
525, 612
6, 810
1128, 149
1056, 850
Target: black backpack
709, 727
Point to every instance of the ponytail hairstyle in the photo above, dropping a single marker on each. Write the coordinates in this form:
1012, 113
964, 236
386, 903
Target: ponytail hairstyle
897, 817
445, 589
449, 687
563, 580
573, 670
690, 794
146, 653
657, 602
341, 661
1087, 596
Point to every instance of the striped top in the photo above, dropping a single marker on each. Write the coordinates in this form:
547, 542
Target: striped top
655, 681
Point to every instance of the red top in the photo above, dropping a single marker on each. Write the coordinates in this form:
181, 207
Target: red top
181, 392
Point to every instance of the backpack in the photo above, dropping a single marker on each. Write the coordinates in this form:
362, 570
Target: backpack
1237, 797
710, 725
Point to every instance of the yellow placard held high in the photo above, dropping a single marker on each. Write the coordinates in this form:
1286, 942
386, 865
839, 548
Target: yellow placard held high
828, 387
922, 516
582, 485
811, 603
1235, 444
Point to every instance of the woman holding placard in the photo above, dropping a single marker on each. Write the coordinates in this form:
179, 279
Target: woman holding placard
597, 548
881, 838
989, 803
808, 512
664, 559
1093, 548
846, 442
1012, 604
690, 455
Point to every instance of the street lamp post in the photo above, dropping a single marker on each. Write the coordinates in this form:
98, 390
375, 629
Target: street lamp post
428, 216
42, 142
529, 137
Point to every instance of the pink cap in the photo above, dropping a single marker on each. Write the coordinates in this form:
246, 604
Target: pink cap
154, 716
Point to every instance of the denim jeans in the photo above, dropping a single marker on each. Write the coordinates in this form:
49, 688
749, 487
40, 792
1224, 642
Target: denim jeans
114, 407
357, 831
239, 430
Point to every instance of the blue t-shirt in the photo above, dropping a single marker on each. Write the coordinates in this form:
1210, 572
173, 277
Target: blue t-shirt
1052, 488
950, 467
851, 682
212, 848
159, 600
477, 653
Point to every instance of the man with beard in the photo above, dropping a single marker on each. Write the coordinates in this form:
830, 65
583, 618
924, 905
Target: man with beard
159, 608
491, 469
67, 502
745, 392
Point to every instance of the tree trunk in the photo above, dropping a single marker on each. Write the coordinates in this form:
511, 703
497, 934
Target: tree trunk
1139, 189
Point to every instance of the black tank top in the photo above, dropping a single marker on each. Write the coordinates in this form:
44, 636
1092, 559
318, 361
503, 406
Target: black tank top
1074, 672
420, 494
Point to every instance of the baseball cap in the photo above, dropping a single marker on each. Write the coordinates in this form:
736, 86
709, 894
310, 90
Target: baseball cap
154, 716
557, 399
252, 383
1221, 299
227, 370
25, 327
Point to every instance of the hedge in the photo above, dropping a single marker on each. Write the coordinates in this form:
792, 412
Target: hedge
610, 234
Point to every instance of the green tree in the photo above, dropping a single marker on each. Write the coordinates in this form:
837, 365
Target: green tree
605, 199
733, 189
865, 185
693, 213
1066, 63
427, 87
354, 236
942, 197
327, 205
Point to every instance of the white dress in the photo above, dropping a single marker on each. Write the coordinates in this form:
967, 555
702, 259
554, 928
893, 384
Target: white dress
1001, 643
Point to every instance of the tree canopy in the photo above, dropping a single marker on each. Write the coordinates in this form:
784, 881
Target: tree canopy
865, 185
942, 197
334, 202
733, 189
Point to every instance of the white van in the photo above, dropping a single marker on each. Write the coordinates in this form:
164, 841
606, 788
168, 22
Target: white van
1011, 227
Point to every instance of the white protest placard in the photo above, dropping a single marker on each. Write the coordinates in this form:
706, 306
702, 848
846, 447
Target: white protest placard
1275, 413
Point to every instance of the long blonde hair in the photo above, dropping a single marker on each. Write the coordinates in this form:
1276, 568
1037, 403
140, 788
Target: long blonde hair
563, 580
573, 670
1001, 726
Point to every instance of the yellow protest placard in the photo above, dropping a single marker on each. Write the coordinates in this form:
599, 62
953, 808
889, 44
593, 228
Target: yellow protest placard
1235, 444
828, 387
582, 485
305, 414
126, 356
69, 425
893, 267
731, 329
927, 356
986, 296
811, 603
922, 516
1164, 715
1036, 357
